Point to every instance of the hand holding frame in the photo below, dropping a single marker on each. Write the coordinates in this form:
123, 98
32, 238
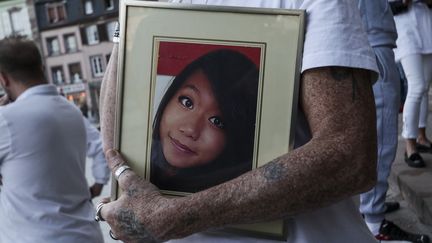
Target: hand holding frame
133, 216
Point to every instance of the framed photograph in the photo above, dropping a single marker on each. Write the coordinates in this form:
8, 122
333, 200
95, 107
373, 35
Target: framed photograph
206, 93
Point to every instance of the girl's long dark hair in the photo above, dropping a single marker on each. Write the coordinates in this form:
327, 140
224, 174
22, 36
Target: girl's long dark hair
234, 81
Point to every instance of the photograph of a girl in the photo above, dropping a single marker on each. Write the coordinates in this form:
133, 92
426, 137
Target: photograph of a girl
204, 126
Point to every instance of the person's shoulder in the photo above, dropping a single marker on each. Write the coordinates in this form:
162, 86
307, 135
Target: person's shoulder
7, 108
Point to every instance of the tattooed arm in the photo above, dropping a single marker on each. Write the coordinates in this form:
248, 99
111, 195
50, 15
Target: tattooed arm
337, 163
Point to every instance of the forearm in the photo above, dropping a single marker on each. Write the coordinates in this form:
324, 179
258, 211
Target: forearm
337, 163
288, 185
108, 101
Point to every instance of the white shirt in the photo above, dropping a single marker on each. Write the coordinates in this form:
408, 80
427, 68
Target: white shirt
45, 196
414, 31
334, 37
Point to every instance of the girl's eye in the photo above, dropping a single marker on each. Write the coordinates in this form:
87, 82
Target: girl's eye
217, 122
186, 102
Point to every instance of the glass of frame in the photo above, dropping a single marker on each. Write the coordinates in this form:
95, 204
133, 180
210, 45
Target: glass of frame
206, 93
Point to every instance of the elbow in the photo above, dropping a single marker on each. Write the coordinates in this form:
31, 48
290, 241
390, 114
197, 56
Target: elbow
356, 166
359, 173
365, 162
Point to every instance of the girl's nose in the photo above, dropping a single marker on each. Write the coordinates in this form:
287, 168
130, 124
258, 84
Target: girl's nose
191, 127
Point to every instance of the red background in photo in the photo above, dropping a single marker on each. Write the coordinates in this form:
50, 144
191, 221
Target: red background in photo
174, 56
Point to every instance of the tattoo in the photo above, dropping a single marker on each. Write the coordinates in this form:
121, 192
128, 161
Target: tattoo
191, 218
130, 226
340, 73
274, 171
131, 192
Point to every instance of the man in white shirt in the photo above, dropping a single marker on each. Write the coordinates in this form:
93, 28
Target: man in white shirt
380, 27
44, 196
310, 187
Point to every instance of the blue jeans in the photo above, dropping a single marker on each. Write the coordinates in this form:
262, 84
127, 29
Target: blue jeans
386, 92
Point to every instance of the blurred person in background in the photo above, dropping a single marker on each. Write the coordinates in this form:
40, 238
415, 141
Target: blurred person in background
380, 28
414, 51
44, 196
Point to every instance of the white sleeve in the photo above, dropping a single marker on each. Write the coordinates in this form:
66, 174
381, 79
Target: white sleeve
335, 35
100, 170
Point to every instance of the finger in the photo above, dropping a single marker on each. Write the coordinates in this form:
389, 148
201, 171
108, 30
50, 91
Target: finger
107, 212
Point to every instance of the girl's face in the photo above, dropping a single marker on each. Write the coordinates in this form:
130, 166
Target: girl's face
192, 130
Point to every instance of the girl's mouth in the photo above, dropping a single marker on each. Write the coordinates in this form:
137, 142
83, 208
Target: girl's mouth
181, 147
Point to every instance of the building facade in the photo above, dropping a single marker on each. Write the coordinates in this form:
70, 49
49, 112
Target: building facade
14, 19
75, 38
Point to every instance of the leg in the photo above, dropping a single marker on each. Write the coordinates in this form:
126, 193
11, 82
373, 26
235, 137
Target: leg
413, 67
386, 92
372, 203
424, 106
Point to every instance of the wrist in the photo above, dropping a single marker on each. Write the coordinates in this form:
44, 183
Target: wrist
184, 218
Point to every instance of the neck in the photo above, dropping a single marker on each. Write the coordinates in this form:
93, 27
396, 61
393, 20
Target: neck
21, 87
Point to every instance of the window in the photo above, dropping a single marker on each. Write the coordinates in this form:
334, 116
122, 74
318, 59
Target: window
110, 27
15, 17
96, 65
92, 34
88, 7
57, 75
75, 73
53, 46
70, 43
109, 4
56, 12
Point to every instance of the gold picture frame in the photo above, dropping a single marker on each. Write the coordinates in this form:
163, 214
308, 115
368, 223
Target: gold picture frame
160, 40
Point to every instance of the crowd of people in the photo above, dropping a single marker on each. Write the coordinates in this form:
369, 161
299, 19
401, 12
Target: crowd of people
345, 139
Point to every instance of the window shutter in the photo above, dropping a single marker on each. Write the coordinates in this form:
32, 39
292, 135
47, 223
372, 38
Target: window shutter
83, 33
103, 35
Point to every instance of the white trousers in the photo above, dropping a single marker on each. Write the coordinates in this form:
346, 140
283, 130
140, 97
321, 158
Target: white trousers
418, 71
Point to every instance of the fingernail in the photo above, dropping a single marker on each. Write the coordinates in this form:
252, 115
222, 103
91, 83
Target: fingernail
111, 153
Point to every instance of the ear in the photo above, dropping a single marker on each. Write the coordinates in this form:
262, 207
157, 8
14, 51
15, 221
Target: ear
4, 80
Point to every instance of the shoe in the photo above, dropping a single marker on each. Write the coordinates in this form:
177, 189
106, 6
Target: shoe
391, 232
391, 207
422, 148
414, 160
